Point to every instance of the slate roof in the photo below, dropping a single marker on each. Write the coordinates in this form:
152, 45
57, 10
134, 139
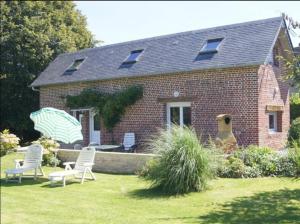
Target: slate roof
244, 44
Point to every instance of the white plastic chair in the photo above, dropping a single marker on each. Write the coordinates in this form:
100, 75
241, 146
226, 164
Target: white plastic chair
32, 161
83, 165
129, 141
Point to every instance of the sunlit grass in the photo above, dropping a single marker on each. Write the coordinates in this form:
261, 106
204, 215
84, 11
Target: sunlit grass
127, 199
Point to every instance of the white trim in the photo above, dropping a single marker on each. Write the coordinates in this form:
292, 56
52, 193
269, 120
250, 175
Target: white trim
92, 113
73, 112
176, 104
179, 104
80, 118
91, 124
83, 109
275, 122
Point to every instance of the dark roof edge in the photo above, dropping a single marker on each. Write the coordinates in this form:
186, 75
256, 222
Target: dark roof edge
274, 42
148, 75
276, 37
288, 34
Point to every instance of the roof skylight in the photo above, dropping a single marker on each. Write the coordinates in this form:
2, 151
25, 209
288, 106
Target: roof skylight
134, 56
75, 66
211, 46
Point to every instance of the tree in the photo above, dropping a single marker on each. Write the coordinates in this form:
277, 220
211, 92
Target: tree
33, 33
293, 70
292, 64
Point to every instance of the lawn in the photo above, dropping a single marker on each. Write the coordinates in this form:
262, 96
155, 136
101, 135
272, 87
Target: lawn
127, 199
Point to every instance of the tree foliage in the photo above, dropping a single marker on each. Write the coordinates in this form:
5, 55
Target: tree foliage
293, 70
295, 106
33, 33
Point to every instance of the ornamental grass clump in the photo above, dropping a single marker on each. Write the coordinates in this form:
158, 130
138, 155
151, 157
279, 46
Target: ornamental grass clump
183, 164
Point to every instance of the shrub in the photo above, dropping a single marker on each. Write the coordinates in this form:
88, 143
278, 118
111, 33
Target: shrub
295, 106
50, 146
261, 158
294, 132
294, 155
50, 159
233, 167
254, 161
285, 166
252, 172
7, 142
183, 164
253, 154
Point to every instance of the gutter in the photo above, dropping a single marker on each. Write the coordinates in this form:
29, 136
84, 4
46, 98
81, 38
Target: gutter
35, 89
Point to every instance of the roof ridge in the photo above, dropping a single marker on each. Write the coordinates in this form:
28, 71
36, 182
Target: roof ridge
230, 26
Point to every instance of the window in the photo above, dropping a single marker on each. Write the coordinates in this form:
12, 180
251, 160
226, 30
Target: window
273, 121
75, 66
78, 115
179, 113
134, 56
211, 46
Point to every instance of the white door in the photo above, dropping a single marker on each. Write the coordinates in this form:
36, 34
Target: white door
179, 113
95, 128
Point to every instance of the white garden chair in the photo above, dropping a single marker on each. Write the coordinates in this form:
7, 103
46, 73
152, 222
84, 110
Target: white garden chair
83, 165
32, 161
129, 141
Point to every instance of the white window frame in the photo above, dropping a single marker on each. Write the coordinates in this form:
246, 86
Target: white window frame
74, 115
275, 121
74, 111
181, 105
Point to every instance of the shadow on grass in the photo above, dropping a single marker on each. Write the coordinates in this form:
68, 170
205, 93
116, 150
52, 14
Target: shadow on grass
149, 193
68, 182
25, 181
281, 206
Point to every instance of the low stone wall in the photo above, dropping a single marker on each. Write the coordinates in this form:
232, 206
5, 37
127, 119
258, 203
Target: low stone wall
111, 162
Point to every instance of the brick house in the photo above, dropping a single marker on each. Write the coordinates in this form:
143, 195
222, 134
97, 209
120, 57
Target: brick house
188, 78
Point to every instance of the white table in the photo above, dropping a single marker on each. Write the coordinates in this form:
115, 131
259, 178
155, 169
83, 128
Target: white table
106, 147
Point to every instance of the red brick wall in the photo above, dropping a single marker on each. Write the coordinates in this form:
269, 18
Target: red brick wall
273, 92
213, 92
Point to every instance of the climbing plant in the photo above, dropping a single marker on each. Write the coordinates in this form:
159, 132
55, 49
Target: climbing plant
111, 107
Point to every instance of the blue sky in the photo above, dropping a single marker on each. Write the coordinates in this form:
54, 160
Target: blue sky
114, 22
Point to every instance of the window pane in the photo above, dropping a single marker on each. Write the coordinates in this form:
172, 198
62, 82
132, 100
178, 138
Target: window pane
97, 122
77, 115
175, 115
211, 45
271, 121
75, 64
133, 56
187, 116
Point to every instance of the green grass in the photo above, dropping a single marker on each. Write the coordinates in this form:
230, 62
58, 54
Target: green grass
127, 199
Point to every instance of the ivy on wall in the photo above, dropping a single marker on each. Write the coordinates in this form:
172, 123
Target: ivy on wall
111, 107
